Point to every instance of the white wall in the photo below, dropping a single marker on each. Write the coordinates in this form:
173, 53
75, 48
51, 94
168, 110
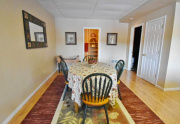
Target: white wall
107, 52
166, 11
173, 70
22, 70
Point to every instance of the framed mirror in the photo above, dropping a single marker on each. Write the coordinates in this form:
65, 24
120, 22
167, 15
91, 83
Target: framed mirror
35, 31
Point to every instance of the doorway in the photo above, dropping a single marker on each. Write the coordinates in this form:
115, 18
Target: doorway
136, 47
91, 42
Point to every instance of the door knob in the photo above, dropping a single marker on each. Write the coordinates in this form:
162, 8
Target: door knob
143, 54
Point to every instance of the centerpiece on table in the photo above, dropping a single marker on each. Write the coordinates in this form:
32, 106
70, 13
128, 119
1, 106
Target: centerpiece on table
92, 62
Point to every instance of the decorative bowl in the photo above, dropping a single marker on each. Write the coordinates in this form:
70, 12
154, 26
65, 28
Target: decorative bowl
92, 61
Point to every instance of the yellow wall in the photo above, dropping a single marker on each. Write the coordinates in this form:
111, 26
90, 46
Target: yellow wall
173, 69
88, 32
87, 37
22, 70
166, 11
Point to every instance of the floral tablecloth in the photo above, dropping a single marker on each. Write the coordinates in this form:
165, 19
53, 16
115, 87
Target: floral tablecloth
78, 71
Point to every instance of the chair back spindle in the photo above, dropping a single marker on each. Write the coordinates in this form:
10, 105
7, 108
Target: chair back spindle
99, 88
91, 88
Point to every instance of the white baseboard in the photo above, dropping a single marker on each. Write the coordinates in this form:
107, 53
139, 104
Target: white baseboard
160, 87
168, 89
27, 99
171, 89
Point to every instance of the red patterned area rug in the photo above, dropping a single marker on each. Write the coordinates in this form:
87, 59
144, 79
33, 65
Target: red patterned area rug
43, 111
138, 110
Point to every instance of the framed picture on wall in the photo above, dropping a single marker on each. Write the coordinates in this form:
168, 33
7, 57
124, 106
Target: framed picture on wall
70, 38
111, 38
39, 36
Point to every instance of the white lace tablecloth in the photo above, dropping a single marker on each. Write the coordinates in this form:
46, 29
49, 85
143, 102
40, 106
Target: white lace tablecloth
78, 71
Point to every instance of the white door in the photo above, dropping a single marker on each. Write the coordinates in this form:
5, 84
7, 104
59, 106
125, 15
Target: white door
152, 49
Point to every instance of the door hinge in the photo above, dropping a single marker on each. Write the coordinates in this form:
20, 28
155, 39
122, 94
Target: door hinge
143, 54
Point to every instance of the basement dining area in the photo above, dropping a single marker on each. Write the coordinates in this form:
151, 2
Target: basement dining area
89, 62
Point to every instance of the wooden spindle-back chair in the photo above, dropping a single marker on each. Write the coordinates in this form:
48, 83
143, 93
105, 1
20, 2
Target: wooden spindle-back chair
86, 58
59, 64
95, 91
65, 72
119, 69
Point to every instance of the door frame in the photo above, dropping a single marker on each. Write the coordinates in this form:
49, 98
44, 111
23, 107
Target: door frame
99, 40
131, 44
160, 53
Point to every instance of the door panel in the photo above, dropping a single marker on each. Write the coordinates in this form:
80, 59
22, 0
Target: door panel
152, 48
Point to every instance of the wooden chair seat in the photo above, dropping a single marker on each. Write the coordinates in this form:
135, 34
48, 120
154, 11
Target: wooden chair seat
118, 82
66, 82
94, 102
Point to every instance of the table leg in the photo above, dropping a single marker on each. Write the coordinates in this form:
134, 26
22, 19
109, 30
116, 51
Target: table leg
76, 107
109, 107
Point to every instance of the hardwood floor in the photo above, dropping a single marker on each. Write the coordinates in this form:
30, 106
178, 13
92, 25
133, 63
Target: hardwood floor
19, 117
165, 104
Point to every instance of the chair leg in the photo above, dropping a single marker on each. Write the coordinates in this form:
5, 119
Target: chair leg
105, 108
84, 114
119, 92
65, 91
59, 67
83, 105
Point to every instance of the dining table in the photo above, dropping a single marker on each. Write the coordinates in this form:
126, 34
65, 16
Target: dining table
78, 71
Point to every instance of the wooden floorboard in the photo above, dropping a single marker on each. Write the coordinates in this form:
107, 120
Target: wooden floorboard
165, 104
19, 117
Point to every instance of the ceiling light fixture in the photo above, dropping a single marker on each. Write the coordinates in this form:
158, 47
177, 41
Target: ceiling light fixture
131, 18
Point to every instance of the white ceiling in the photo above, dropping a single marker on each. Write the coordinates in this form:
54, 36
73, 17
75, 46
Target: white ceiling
91, 9
148, 7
